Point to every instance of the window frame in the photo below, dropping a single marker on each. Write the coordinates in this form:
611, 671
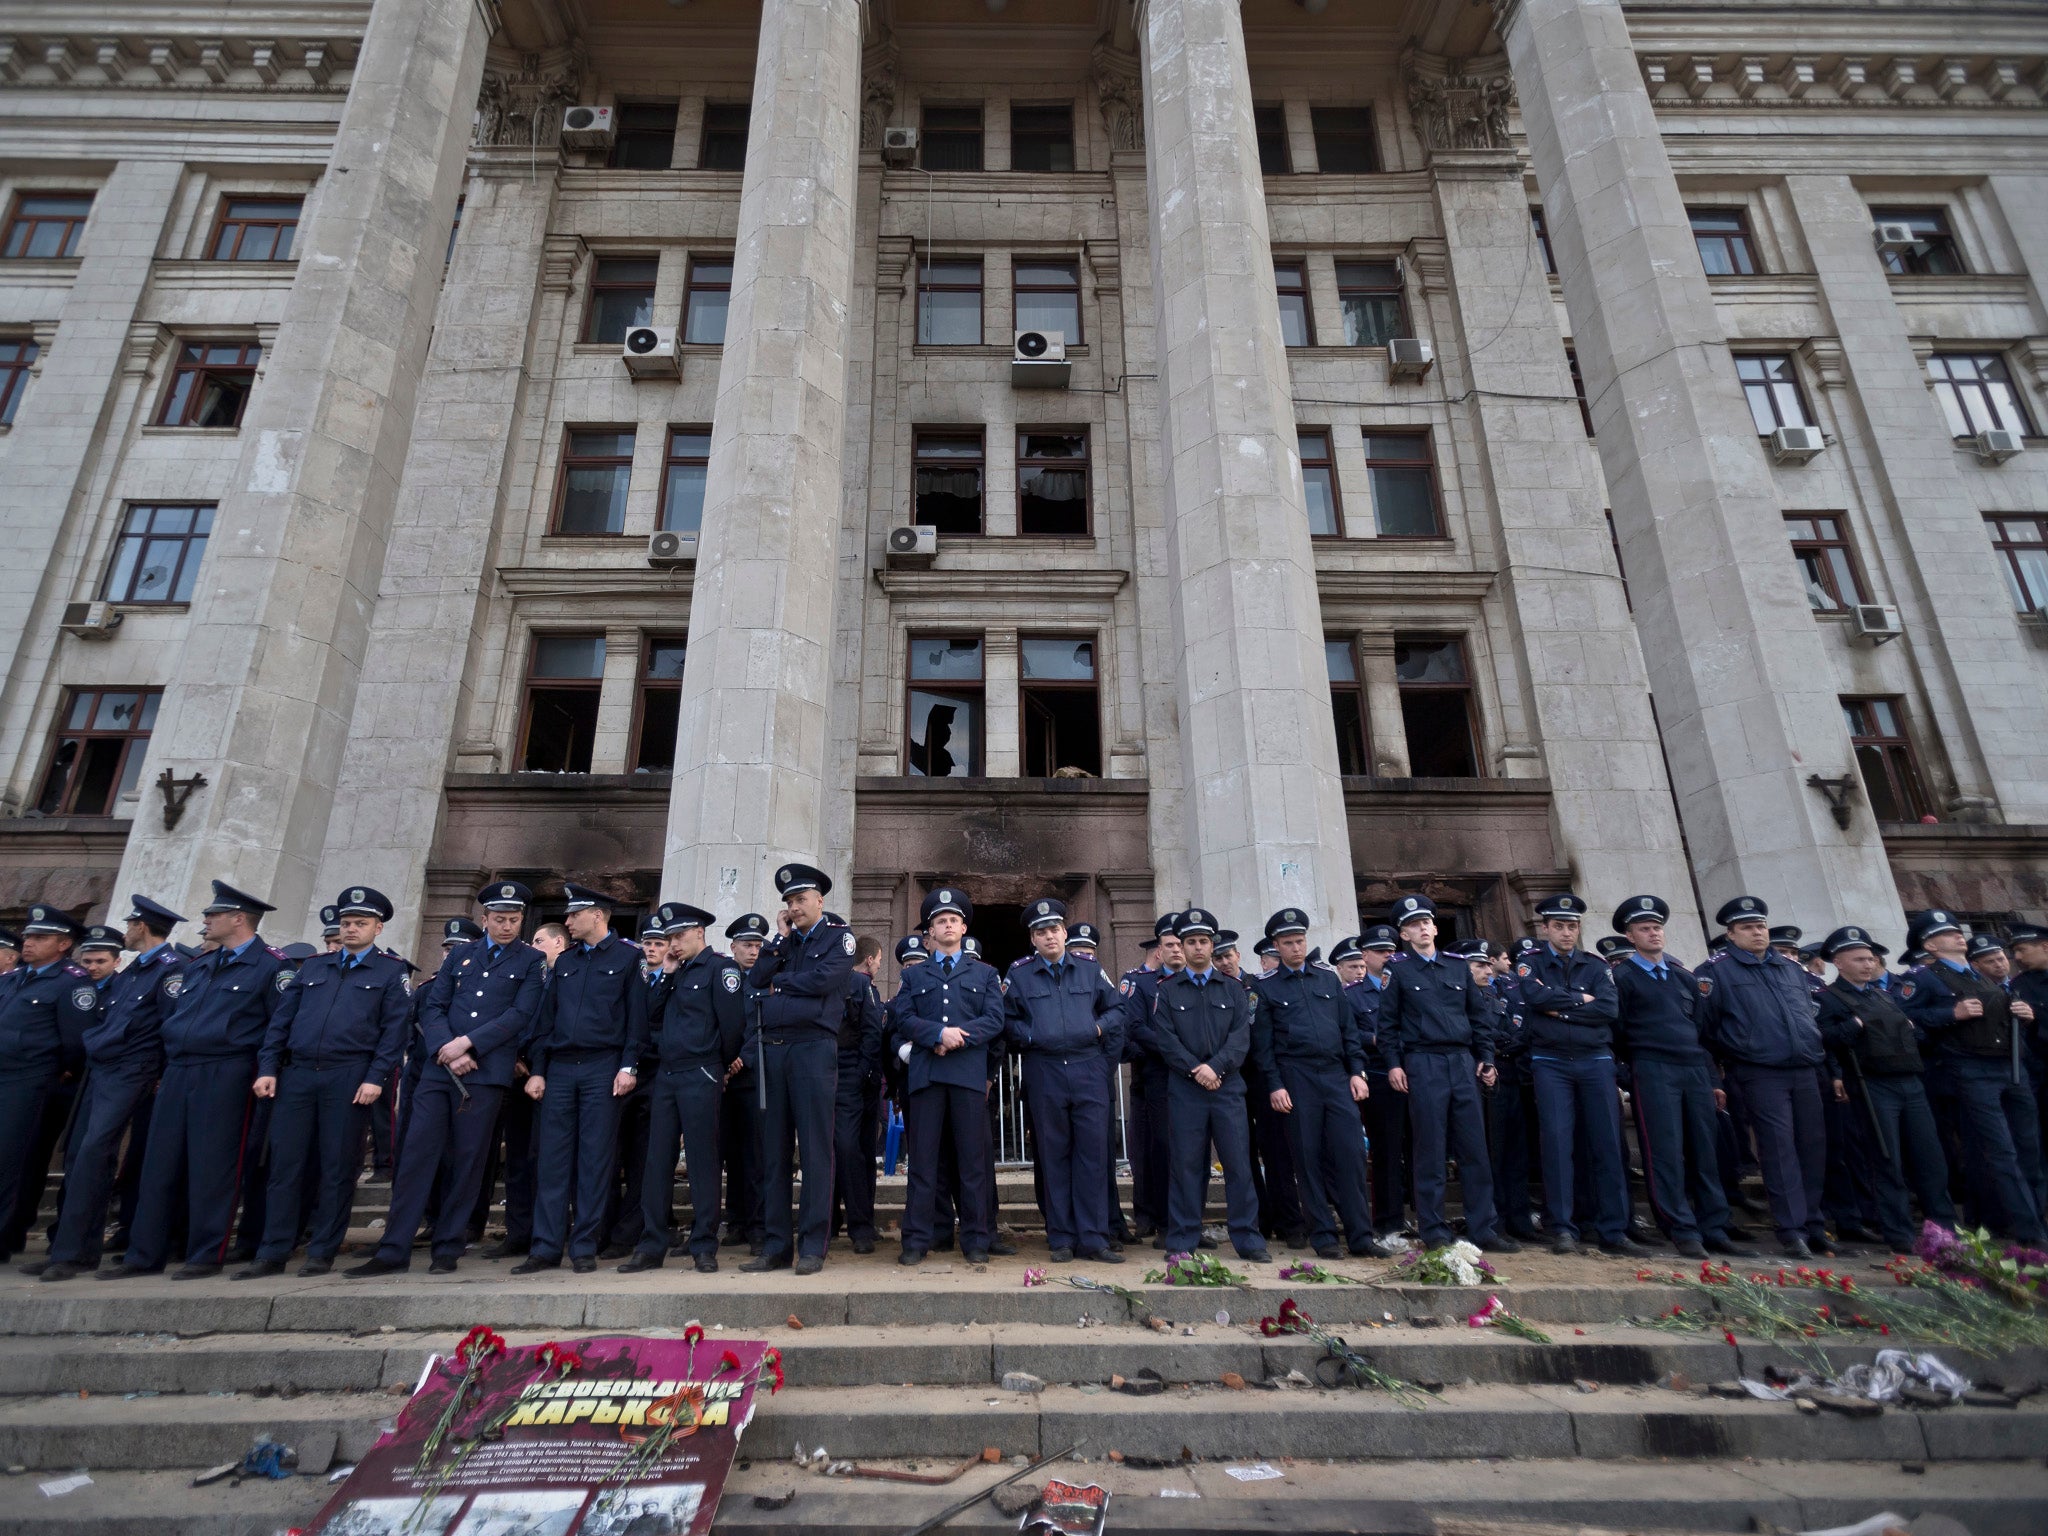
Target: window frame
1355, 687
1915, 264
980, 135
1770, 386
1571, 363
572, 460
144, 539
1328, 461
1539, 222
224, 220
694, 283
1269, 125
1822, 547
1298, 265
18, 219
706, 132
1468, 689
978, 687
1018, 286
15, 373
1428, 464
1028, 686
68, 804
1085, 463
926, 285
1991, 368
952, 433
1738, 244
1375, 161
599, 287
2009, 550
200, 370
670, 459
1039, 135
1898, 754
529, 681
1397, 290
645, 684
622, 136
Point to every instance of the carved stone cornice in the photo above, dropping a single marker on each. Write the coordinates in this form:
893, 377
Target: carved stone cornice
523, 96
878, 68
1120, 94
1826, 359
103, 61
1459, 104
1822, 80
561, 258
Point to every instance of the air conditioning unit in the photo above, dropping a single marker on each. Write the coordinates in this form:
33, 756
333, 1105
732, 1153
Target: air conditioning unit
1997, 445
1895, 239
1038, 360
90, 621
899, 146
914, 546
649, 352
1877, 622
668, 547
589, 127
1409, 357
1795, 445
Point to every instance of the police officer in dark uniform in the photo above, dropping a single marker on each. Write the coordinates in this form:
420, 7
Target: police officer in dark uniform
475, 1017
622, 1228
10, 950
1200, 1031
858, 1103
793, 1040
584, 1064
700, 1028
332, 1044
1272, 1160
47, 1005
202, 1133
1311, 1059
1066, 1022
1436, 1036
1384, 1111
1758, 1015
1511, 1106
739, 1128
126, 1054
1147, 1122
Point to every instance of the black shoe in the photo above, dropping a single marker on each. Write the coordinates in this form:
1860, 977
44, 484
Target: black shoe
1373, 1248
124, 1272
640, 1263
1855, 1232
1208, 1242
1525, 1234
1642, 1232
761, 1265
374, 1266
1721, 1245
976, 1257
863, 1245
57, 1269
909, 1257
1499, 1244
756, 1247
1103, 1256
1795, 1248
585, 1265
1257, 1256
313, 1269
707, 1263
1061, 1256
943, 1245
612, 1251
1159, 1243
1003, 1250
199, 1272
536, 1266
1563, 1243
1820, 1247
1328, 1251
33, 1267
505, 1249
1691, 1248
1626, 1248
262, 1269
1736, 1232
1143, 1234
442, 1267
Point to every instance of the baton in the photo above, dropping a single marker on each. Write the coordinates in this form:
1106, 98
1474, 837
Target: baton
1870, 1109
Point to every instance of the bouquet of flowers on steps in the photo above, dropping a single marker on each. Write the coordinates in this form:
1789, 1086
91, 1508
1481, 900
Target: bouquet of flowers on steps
1458, 1263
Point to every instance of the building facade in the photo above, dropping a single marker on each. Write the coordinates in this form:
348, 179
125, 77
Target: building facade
1477, 450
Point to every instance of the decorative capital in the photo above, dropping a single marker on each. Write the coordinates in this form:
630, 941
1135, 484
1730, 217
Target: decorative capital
878, 68
1459, 103
1826, 359
523, 95
1120, 94
561, 257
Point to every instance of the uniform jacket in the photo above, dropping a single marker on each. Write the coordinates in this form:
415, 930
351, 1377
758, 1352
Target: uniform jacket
224, 1003
44, 1018
130, 1029
1079, 1014
803, 982
594, 1001
1207, 1024
1757, 1009
1557, 1021
494, 1002
1865, 1023
1305, 1017
333, 1013
1367, 994
861, 1037
2031, 988
1657, 1021
1930, 994
929, 1001
697, 1017
1434, 1006
1510, 1020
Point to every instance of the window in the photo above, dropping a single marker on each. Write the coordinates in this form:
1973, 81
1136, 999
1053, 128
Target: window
1935, 255
99, 751
156, 558
257, 229
1820, 543
1571, 359
1344, 141
46, 224
563, 679
944, 736
2022, 545
1042, 137
707, 297
1541, 228
659, 705
949, 303
724, 145
644, 137
211, 384
1062, 725
683, 471
1269, 120
1347, 704
1771, 385
1297, 325
1319, 481
1403, 485
596, 469
1369, 293
1877, 733
1436, 708
454, 229
1976, 393
17, 356
948, 492
1722, 235
951, 138
1052, 484
1048, 297
621, 296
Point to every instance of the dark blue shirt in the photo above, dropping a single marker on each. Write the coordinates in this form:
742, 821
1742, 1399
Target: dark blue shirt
1757, 1009
340, 1008
1559, 1022
491, 993
225, 1000
1306, 1017
595, 1002
44, 1015
1434, 1005
701, 1020
1064, 1010
132, 1009
802, 979
1657, 1018
1201, 1021
934, 997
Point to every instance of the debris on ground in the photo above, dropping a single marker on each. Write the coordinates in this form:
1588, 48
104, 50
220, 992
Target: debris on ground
57, 1487
778, 1498
1258, 1472
1014, 1498
1022, 1381
1147, 1383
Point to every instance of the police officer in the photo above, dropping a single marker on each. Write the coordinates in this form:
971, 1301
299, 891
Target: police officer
1436, 1037
1311, 1057
1969, 1020
746, 1211
699, 1029
1066, 1022
2029, 946
584, 1064
1272, 1160
332, 1042
1147, 1120
202, 1131
1758, 1016
47, 1004
10, 950
474, 1016
858, 1102
623, 1228
1384, 1111
793, 1038
124, 1049
1989, 959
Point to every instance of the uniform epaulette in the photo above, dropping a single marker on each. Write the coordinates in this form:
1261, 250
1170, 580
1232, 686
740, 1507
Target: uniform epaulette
76, 970
275, 951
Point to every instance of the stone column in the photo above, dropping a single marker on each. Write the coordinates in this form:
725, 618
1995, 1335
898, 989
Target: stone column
751, 742
419, 665
1386, 728
265, 688
69, 404
1984, 676
1743, 685
1263, 810
1001, 703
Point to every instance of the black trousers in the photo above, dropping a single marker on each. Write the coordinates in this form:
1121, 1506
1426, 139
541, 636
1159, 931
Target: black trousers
1147, 1145
512, 1148
316, 1132
1273, 1163
1329, 1152
1198, 1118
796, 1131
1444, 1109
25, 1099
945, 1116
746, 1209
856, 1121
113, 1093
579, 1122
1679, 1134
447, 1139
1072, 1111
202, 1141
1784, 1106
1510, 1127
624, 1221
1386, 1123
685, 1103
1900, 1106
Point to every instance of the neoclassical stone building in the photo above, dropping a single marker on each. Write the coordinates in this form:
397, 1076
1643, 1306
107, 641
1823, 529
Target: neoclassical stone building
1495, 446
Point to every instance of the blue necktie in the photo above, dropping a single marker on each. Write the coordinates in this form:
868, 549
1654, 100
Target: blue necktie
946, 966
